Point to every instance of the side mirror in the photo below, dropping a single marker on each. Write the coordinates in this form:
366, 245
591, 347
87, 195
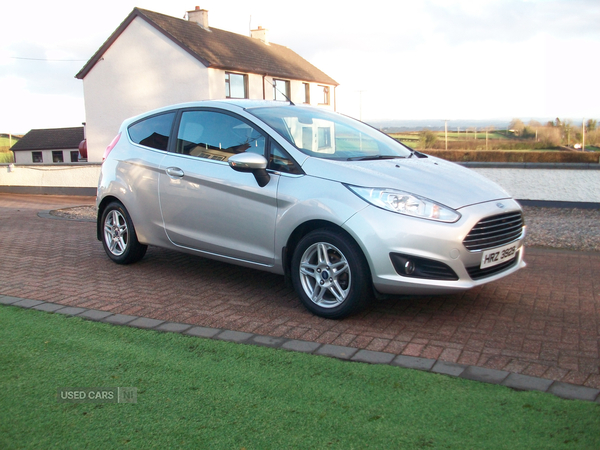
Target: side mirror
253, 163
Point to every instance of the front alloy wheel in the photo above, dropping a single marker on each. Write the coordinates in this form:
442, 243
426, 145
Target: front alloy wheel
325, 275
330, 274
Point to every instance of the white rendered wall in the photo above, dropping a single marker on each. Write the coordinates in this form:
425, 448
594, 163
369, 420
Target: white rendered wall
141, 71
566, 185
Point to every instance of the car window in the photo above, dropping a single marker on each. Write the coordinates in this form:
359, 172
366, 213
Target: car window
153, 132
280, 161
216, 136
328, 135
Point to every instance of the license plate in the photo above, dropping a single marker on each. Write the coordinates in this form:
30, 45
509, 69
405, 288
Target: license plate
495, 256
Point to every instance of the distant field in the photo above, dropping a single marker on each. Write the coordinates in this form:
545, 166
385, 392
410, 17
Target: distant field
453, 136
6, 156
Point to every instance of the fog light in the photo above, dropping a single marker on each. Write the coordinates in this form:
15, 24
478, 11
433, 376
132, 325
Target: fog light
409, 267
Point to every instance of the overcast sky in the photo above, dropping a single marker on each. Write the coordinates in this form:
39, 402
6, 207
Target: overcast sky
407, 59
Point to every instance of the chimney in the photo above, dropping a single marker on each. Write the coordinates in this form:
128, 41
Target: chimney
200, 16
261, 34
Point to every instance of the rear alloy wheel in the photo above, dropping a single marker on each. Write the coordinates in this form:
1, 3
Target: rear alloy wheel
330, 274
119, 238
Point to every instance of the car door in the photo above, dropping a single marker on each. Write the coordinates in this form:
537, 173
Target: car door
208, 206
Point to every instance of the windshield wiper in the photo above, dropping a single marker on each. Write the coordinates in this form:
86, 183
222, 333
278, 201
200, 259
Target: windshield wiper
373, 157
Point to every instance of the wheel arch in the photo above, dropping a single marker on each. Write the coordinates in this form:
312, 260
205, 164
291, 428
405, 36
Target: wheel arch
101, 207
307, 227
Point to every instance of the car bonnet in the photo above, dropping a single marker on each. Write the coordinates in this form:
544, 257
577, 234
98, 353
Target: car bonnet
436, 179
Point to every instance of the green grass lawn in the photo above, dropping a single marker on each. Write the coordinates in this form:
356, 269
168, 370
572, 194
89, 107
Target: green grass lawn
197, 393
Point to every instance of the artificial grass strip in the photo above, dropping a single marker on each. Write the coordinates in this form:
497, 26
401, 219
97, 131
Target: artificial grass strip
198, 393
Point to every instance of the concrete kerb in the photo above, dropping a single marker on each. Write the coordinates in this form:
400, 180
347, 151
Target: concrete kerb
511, 380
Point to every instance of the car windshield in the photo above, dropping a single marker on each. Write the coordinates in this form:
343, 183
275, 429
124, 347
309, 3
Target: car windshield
328, 135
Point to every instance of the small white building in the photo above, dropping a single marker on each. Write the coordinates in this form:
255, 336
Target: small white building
49, 146
153, 60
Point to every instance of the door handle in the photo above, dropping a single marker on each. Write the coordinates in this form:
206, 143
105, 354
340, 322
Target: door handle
175, 172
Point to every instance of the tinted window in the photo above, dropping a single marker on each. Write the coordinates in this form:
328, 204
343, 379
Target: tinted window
153, 132
212, 135
280, 161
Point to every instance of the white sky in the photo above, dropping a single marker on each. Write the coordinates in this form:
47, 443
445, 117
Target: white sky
411, 59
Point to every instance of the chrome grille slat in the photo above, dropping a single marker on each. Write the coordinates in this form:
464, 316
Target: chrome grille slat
494, 231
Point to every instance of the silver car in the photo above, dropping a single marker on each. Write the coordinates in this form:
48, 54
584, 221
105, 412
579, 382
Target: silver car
342, 209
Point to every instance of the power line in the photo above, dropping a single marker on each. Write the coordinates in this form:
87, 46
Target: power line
49, 60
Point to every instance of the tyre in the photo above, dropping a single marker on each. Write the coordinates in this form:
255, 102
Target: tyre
118, 236
330, 274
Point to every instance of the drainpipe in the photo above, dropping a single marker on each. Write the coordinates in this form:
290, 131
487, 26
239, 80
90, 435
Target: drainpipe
264, 91
334, 99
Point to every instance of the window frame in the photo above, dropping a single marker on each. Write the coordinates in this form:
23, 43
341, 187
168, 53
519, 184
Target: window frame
37, 155
306, 93
57, 154
326, 99
277, 90
228, 84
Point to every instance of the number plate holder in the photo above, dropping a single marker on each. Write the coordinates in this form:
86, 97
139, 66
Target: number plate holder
499, 255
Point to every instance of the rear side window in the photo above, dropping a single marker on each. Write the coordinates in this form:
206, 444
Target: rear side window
153, 132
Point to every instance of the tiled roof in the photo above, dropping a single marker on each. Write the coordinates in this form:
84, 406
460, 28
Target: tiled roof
222, 49
50, 139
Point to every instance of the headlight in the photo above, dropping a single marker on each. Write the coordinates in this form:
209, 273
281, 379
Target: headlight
406, 203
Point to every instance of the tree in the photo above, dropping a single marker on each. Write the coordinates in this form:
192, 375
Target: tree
591, 124
517, 126
427, 138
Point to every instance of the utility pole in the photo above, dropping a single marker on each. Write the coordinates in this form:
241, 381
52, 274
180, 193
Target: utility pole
486, 138
360, 104
446, 132
583, 135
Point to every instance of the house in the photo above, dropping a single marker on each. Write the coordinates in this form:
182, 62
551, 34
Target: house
49, 146
153, 60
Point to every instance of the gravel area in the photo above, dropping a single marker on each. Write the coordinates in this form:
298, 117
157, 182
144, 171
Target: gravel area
563, 228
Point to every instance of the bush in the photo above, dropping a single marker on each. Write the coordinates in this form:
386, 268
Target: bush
593, 138
427, 139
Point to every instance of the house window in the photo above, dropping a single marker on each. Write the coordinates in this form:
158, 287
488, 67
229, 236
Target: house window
324, 95
281, 90
57, 156
74, 156
236, 85
306, 87
37, 157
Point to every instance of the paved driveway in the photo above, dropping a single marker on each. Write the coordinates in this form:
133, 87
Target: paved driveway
543, 321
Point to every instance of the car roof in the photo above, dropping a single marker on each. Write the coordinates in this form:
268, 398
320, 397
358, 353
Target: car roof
223, 103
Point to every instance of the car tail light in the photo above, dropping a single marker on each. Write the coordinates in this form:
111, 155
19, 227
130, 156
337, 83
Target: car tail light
111, 146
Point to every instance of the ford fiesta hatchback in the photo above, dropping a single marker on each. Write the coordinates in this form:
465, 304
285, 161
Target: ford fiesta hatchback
339, 207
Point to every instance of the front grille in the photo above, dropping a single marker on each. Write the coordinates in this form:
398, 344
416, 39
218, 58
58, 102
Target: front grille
495, 231
476, 273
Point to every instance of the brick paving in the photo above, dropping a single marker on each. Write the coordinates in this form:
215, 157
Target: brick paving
543, 321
